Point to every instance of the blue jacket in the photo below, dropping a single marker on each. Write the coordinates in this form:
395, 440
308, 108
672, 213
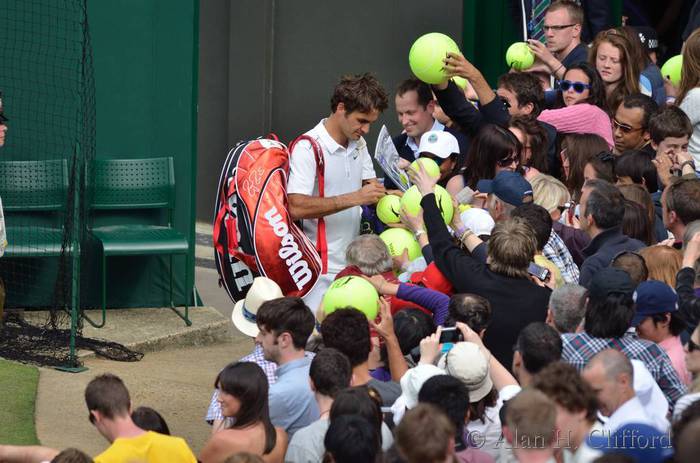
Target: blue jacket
602, 249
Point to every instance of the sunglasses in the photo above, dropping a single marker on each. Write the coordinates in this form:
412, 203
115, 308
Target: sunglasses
507, 161
91, 418
557, 28
692, 346
565, 206
505, 102
579, 87
624, 128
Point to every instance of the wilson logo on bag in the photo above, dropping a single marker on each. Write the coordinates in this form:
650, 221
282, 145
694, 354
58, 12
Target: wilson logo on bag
253, 230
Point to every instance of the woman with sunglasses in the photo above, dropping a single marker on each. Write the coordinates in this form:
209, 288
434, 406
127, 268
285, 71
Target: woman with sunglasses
583, 104
533, 138
493, 150
243, 392
611, 55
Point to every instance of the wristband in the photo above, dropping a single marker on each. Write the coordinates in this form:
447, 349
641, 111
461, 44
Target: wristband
689, 162
460, 231
465, 235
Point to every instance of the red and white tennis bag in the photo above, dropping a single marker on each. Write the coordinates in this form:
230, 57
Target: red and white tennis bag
253, 231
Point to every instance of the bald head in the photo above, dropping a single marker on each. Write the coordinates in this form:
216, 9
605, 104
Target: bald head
614, 363
611, 375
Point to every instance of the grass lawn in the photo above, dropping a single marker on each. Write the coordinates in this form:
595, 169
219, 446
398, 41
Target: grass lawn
17, 395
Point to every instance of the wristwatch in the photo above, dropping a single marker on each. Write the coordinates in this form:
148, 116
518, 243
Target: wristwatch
419, 233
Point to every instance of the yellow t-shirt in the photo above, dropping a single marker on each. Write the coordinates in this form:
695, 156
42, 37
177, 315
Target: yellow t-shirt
542, 261
149, 447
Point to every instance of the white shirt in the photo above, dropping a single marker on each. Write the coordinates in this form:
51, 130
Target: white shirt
486, 436
631, 411
345, 169
411, 143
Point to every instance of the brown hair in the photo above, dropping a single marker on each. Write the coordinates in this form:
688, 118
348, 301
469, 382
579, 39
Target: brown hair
629, 82
424, 434
663, 263
574, 9
683, 197
361, 93
637, 193
532, 415
671, 121
563, 384
512, 247
536, 139
690, 71
108, 395
580, 148
287, 314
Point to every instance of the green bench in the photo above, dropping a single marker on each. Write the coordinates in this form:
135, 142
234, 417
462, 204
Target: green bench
130, 184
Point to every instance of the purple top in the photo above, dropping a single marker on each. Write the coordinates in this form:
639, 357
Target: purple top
432, 300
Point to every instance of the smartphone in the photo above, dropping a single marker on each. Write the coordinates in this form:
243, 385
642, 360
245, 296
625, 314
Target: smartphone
540, 272
451, 335
465, 195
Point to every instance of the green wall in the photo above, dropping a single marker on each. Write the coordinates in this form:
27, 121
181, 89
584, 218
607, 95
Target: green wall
145, 60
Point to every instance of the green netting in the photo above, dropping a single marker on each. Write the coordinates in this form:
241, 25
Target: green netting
47, 80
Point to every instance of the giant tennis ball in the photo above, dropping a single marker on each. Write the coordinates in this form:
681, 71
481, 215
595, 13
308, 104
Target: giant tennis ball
673, 69
519, 56
389, 208
352, 291
426, 55
411, 201
398, 239
461, 82
429, 165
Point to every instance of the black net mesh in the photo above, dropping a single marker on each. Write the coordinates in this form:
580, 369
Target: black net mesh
47, 81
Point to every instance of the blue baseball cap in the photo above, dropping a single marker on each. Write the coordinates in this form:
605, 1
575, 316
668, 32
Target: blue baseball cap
640, 441
653, 297
510, 187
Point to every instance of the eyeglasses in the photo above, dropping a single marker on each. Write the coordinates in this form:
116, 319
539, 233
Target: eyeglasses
624, 128
557, 28
507, 161
692, 346
578, 87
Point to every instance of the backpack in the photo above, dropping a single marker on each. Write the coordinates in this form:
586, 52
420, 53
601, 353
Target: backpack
254, 234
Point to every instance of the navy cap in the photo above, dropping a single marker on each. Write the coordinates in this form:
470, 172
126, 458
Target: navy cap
510, 187
642, 442
608, 281
653, 297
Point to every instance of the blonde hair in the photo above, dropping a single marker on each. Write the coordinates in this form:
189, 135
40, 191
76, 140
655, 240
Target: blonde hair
549, 192
690, 71
512, 247
663, 263
629, 82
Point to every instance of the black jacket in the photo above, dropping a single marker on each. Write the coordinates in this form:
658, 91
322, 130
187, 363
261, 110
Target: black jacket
602, 249
515, 302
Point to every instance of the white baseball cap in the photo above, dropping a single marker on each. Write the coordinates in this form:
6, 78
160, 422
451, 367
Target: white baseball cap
438, 142
244, 311
478, 220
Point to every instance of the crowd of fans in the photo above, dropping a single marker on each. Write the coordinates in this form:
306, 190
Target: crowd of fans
555, 318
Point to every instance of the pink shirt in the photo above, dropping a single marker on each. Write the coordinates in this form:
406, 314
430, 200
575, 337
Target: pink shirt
674, 349
580, 118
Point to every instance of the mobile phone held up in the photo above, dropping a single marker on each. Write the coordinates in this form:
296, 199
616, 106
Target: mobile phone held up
540, 272
451, 335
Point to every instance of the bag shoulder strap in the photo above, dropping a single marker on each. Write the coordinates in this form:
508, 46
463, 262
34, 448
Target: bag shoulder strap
321, 242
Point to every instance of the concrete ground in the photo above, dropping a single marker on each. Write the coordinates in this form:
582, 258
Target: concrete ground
177, 381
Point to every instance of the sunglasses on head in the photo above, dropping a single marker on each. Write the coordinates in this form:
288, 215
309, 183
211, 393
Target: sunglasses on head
578, 87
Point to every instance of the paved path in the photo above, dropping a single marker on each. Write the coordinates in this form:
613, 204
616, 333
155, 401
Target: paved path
177, 382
